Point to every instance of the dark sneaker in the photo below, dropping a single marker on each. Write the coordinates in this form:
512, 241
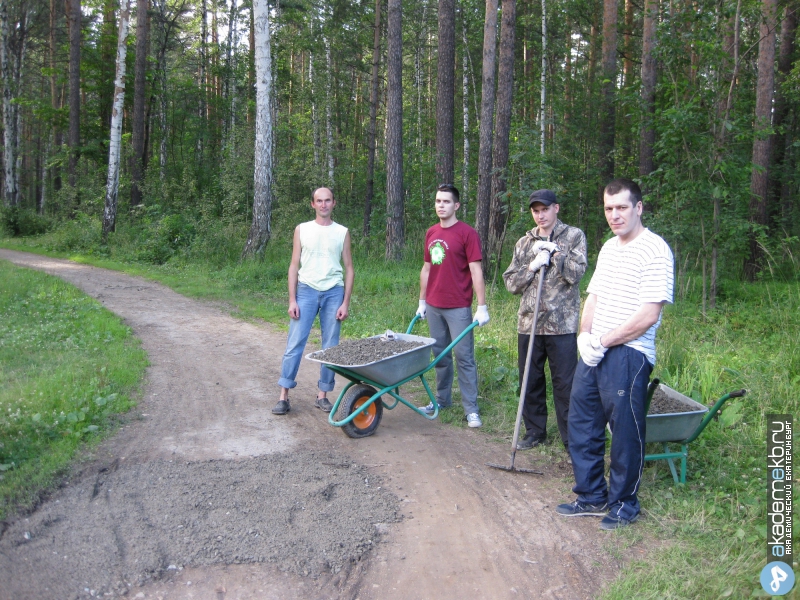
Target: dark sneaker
582, 509
323, 404
529, 442
281, 408
611, 522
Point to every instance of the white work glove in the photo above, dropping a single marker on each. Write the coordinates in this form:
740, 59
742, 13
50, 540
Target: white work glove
590, 348
481, 315
422, 309
542, 260
542, 245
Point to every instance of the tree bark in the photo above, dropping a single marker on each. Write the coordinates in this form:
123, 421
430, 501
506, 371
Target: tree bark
608, 114
649, 75
465, 112
74, 140
395, 224
117, 112
505, 96
373, 119
139, 122
445, 92
328, 111
55, 97
542, 80
202, 110
765, 90
484, 198
260, 230
781, 159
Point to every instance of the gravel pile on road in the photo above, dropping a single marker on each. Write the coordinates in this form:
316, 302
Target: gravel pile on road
367, 350
662, 404
308, 512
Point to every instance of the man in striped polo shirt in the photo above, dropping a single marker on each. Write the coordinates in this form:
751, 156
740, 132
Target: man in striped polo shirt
632, 282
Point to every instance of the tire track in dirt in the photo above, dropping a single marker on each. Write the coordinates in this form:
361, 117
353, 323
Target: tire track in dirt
467, 531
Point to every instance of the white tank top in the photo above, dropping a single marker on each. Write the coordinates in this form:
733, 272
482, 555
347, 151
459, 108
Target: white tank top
320, 255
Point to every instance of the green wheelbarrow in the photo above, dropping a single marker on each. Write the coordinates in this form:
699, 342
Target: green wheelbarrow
361, 400
679, 428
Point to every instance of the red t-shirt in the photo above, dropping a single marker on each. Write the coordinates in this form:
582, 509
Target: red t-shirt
450, 250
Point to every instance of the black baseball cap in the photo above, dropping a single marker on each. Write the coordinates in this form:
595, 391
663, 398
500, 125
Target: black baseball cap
546, 197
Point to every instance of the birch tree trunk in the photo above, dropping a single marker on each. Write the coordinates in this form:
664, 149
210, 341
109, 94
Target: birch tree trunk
395, 224
328, 106
486, 126
202, 74
373, 118
139, 122
445, 92
260, 230
314, 119
13, 42
762, 145
112, 181
465, 112
543, 82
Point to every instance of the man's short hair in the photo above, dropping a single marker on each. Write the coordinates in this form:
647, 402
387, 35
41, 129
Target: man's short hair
622, 184
449, 187
323, 187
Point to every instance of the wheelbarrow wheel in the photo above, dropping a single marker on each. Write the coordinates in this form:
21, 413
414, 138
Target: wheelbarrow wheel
364, 424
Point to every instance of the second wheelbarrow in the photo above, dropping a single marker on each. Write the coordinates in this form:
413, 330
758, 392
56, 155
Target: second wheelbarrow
361, 399
679, 428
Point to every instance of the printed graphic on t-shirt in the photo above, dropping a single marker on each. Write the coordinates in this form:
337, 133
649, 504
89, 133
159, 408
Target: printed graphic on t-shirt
437, 253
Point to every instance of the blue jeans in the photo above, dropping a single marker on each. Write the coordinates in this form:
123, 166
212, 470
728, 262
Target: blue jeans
613, 392
311, 303
445, 325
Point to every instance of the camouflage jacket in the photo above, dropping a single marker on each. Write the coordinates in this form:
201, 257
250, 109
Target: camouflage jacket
559, 309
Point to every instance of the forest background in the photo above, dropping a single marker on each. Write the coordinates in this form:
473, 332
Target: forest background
182, 139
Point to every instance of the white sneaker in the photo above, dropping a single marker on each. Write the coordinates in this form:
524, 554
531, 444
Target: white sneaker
428, 410
474, 420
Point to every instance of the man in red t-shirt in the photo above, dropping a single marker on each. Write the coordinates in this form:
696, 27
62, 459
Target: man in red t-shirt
452, 271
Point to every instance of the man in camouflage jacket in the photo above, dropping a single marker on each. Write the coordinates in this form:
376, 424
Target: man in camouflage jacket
563, 248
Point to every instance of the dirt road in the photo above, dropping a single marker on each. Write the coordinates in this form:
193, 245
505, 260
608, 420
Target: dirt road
205, 494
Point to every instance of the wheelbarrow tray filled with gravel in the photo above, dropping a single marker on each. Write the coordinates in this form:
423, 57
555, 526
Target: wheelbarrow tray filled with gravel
359, 408
390, 370
679, 427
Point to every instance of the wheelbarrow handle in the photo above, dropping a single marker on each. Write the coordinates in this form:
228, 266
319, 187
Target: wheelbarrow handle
710, 414
416, 318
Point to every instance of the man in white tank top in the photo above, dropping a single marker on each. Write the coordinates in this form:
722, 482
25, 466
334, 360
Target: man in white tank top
317, 286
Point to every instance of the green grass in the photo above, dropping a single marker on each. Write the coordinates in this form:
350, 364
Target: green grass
704, 539
67, 367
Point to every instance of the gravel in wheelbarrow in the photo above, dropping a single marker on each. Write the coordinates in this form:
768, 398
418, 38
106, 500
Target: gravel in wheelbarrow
367, 350
662, 404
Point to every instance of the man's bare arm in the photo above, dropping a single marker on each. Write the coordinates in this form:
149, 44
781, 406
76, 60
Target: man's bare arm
478, 285
349, 278
294, 268
634, 326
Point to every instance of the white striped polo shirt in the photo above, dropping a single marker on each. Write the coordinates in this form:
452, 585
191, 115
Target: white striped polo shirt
628, 276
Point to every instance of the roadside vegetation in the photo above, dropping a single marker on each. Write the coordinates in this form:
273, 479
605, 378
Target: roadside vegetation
704, 539
68, 368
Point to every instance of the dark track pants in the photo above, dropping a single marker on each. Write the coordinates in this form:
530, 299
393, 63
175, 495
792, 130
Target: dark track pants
561, 351
613, 392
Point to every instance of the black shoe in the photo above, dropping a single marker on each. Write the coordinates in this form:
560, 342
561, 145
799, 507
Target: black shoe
582, 509
611, 522
281, 408
529, 442
323, 405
